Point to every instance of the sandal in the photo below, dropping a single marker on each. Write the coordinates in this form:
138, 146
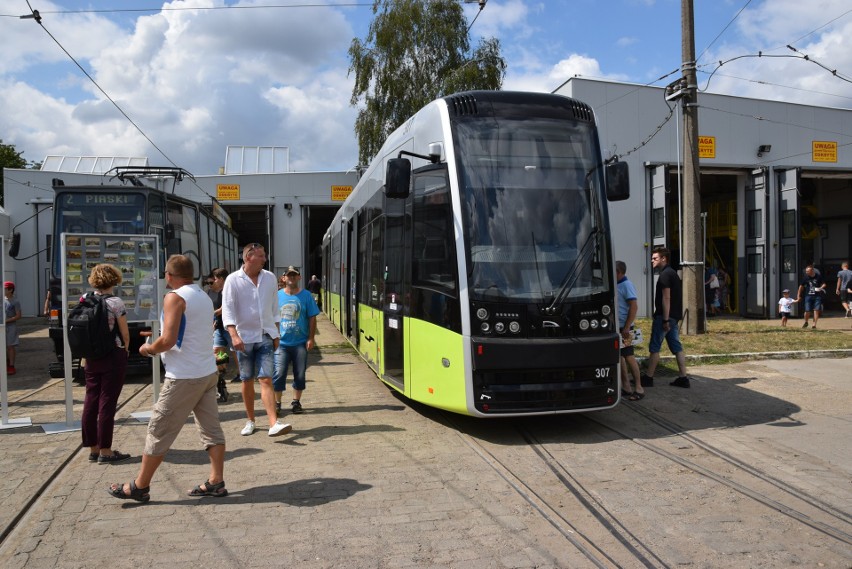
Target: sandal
636, 396
625, 393
138, 494
209, 489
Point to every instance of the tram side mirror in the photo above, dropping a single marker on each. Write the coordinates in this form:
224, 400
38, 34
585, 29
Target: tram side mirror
15, 245
398, 178
617, 182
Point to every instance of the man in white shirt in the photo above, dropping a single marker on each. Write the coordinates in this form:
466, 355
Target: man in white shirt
250, 314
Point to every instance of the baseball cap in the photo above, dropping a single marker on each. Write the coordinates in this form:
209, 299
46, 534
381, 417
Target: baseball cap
292, 270
8, 284
786, 290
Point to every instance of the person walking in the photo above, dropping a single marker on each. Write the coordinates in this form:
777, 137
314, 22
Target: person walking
222, 347
297, 313
812, 287
627, 309
314, 287
12, 312
668, 310
844, 280
189, 387
105, 376
250, 314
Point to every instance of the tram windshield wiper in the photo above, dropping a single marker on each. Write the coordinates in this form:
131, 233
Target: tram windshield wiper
585, 255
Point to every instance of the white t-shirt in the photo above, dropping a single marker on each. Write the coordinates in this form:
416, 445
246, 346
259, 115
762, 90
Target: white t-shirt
785, 304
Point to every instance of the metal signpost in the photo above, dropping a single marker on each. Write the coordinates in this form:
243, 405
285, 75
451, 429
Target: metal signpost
5, 421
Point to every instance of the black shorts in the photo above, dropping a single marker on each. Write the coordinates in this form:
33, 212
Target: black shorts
844, 295
628, 351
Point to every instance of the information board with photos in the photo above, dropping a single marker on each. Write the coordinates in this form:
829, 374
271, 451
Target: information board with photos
135, 256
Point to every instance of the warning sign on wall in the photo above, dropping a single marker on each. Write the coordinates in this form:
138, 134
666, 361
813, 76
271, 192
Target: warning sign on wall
340, 193
707, 147
823, 151
227, 192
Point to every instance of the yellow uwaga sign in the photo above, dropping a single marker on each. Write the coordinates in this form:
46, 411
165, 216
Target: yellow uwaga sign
227, 192
340, 193
707, 147
823, 151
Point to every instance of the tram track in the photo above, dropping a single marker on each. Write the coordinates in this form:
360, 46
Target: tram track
762, 476
592, 518
53, 474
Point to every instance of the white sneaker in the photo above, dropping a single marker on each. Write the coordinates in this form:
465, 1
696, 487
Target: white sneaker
248, 429
279, 428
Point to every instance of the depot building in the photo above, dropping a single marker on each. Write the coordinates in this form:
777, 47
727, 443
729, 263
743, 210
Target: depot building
775, 188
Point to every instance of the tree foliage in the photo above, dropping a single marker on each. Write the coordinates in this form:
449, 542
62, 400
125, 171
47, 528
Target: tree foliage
9, 158
415, 51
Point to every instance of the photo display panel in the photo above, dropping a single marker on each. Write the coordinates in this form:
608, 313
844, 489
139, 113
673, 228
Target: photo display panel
135, 256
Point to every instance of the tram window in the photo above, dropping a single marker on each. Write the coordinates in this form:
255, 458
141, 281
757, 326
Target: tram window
433, 254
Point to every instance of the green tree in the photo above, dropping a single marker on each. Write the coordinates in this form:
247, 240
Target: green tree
9, 158
415, 51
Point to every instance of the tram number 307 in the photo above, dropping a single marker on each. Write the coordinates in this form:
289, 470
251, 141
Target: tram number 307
602, 372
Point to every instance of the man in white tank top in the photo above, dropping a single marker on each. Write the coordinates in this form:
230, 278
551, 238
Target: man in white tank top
190, 384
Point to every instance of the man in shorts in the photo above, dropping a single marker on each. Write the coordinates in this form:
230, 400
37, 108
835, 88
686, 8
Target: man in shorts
668, 310
844, 283
812, 289
250, 314
190, 385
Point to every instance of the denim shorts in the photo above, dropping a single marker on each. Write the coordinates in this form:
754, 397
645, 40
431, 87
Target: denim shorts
657, 335
813, 302
256, 359
222, 339
284, 356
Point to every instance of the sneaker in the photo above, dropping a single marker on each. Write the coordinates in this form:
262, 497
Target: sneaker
113, 458
647, 381
681, 382
248, 429
280, 428
296, 406
805, 325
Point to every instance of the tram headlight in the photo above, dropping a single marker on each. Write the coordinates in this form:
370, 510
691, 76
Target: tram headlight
482, 313
594, 324
500, 327
514, 327
485, 327
604, 323
584, 324
605, 310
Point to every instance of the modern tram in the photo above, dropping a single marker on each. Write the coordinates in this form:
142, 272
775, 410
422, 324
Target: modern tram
201, 232
471, 266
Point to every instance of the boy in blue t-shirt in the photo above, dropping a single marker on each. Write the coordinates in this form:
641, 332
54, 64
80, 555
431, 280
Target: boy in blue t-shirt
297, 315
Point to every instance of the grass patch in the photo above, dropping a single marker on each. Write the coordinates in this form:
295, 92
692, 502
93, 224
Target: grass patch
725, 337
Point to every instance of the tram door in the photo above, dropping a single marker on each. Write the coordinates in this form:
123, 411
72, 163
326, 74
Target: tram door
658, 177
788, 184
396, 289
756, 199
350, 252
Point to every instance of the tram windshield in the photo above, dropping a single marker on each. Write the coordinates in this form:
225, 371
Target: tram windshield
531, 199
98, 212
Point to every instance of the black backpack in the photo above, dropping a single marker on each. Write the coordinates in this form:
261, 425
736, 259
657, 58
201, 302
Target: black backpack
88, 328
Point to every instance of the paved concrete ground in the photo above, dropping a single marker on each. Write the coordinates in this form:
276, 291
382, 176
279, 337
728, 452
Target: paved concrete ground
364, 480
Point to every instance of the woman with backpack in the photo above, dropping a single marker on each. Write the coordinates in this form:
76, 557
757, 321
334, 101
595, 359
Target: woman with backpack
105, 375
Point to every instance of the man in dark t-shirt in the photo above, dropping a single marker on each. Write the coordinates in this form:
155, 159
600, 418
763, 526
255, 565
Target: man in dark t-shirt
812, 287
668, 310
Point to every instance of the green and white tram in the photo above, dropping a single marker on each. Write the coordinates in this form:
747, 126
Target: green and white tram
471, 266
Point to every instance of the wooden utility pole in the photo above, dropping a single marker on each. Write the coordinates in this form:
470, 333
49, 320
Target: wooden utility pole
691, 249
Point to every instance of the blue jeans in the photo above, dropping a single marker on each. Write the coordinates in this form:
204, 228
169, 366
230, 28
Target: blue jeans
256, 360
284, 355
222, 339
657, 335
813, 302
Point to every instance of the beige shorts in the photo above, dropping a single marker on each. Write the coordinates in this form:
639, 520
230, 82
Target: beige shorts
179, 398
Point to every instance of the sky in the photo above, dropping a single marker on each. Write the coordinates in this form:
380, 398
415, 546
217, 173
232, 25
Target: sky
190, 82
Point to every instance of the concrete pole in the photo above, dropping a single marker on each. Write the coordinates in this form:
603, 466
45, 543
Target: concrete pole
691, 250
